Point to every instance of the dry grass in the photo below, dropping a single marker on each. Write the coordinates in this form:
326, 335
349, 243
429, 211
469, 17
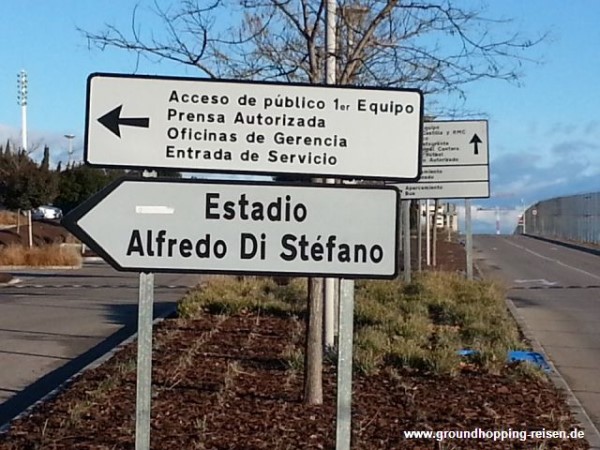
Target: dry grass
8, 218
229, 295
47, 255
424, 324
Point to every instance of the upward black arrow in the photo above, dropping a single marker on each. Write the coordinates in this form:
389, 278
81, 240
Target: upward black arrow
475, 141
113, 120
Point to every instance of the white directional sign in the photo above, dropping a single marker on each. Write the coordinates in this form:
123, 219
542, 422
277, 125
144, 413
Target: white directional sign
455, 162
232, 227
250, 127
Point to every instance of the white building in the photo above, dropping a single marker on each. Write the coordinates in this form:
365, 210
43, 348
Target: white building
446, 215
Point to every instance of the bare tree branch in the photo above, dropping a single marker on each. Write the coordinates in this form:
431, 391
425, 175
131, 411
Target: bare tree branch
438, 46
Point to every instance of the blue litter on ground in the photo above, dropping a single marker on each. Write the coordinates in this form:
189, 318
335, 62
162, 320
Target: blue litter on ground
533, 357
518, 355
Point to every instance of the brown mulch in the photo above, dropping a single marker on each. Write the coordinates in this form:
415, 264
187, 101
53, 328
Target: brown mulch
222, 383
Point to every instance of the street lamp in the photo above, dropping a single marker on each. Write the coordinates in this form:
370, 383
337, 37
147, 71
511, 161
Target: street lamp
22, 101
70, 138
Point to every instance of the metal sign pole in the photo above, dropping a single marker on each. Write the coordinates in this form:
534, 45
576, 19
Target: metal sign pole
407, 249
419, 236
330, 291
144, 355
344, 372
469, 239
144, 362
427, 234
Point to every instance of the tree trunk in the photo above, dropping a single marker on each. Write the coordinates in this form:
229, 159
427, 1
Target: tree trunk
313, 356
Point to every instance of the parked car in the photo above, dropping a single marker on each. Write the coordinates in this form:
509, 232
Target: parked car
47, 212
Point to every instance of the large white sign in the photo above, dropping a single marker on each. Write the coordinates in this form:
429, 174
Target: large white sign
455, 162
231, 126
231, 227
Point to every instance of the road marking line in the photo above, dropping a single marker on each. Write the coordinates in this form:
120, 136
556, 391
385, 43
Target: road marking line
597, 277
539, 280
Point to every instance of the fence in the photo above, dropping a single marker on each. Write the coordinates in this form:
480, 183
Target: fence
573, 218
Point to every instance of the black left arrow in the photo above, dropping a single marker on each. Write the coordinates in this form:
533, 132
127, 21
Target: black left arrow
113, 120
476, 141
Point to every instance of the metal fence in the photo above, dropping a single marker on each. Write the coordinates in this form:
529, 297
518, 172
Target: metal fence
573, 218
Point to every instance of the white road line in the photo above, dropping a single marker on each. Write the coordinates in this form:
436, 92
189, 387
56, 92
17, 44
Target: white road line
597, 277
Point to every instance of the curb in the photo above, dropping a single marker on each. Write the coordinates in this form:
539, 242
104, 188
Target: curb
12, 281
92, 259
592, 435
8, 268
87, 259
5, 427
571, 245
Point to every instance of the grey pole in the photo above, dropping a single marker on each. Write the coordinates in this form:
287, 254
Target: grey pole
419, 237
144, 356
344, 372
329, 294
427, 234
400, 229
407, 249
469, 239
144, 362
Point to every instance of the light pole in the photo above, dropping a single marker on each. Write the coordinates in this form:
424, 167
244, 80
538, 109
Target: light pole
70, 138
22, 101
524, 229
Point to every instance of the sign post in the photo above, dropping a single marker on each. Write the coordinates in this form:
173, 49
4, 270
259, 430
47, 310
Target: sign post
144, 362
144, 356
469, 239
344, 370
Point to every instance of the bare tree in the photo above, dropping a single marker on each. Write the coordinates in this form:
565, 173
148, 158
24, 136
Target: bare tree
433, 45
438, 46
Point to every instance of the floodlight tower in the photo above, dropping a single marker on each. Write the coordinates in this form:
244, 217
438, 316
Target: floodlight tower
22, 100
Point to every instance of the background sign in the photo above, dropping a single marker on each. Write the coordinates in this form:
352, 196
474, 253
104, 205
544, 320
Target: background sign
243, 127
455, 162
233, 227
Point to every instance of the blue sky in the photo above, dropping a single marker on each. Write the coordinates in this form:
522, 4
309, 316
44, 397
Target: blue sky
544, 133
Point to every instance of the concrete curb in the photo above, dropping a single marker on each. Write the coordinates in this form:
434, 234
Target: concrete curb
89, 259
592, 434
14, 280
573, 245
97, 362
8, 268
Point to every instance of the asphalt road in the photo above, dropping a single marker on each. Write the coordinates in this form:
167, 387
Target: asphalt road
55, 322
557, 291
